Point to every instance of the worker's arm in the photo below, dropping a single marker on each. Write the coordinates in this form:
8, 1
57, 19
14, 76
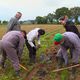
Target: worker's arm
63, 54
39, 43
21, 46
11, 24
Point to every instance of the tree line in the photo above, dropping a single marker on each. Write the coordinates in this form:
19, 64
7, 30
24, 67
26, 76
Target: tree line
52, 18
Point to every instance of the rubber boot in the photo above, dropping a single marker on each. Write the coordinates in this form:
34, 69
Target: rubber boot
2, 65
73, 74
17, 73
59, 62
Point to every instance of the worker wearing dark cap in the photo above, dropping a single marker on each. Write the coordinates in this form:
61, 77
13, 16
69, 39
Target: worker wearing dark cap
69, 25
30, 42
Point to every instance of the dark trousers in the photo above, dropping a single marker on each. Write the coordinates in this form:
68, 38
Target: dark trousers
32, 52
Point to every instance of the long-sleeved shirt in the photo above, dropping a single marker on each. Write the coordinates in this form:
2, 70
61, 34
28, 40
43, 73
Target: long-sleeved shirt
32, 35
15, 39
14, 25
70, 27
72, 42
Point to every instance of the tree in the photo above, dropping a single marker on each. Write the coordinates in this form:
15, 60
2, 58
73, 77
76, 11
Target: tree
50, 18
21, 22
61, 12
75, 12
5, 22
41, 20
0, 21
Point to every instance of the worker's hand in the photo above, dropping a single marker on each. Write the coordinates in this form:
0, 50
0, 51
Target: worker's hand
38, 46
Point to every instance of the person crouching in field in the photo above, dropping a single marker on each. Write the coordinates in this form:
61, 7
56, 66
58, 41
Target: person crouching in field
30, 42
67, 40
12, 47
69, 25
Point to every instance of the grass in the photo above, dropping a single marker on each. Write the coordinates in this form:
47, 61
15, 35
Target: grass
46, 40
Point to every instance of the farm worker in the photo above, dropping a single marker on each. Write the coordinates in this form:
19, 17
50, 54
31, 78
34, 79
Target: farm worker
30, 42
67, 40
69, 25
12, 47
14, 23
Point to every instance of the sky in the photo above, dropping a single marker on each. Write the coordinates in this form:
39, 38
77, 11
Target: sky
32, 8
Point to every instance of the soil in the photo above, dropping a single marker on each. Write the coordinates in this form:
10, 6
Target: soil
42, 71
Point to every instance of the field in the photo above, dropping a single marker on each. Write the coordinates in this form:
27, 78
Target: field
43, 69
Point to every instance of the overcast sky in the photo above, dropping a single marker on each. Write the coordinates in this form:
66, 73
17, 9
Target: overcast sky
32, 8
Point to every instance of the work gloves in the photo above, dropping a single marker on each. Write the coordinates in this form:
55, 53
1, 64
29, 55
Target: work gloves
36, 47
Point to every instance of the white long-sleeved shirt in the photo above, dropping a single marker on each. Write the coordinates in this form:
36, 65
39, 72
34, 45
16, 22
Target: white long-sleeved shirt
33, 35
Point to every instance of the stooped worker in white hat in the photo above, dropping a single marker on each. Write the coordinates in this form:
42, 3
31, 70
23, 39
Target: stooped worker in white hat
30, 42
67, 40
12, 44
